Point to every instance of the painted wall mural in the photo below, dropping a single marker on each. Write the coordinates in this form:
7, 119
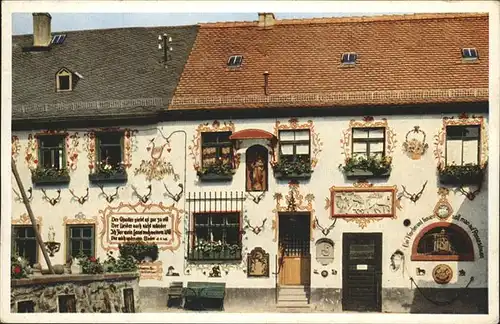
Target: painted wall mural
129, 145
363, 203
462, 120
257, 171
443, 208
414, 144
474, 231
24, 219
442, 274
72, 142
157, 166
294, 202
31, 152
16, 147
79, 219
195, 147
258, 263
414, 228
72, 150
368, 121
293, 124
152, 223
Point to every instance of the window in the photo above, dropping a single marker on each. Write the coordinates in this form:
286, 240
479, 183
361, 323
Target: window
368, 142
67, 303
235, 61
52, 152
64, 79
295, 145
349, 58
469, 54
216, 236
24, 243
217, 149
80, 238
128, 299
462, 145
110, 149
442, 242
26, 306
58, 39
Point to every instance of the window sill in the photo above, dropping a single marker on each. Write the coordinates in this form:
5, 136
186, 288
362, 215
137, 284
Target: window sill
214, 256
292, 176
101, 178
357, 174
63, 179
215, 177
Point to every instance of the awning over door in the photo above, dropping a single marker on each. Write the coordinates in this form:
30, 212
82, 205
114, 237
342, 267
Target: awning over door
251, 133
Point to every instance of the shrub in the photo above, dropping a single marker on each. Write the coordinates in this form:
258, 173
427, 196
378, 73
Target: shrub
139, 250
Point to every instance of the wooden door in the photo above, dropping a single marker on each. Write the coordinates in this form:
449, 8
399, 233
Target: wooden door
294, 238
362, 272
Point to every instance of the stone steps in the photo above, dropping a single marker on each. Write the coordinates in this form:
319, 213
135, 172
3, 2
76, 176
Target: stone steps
293, 298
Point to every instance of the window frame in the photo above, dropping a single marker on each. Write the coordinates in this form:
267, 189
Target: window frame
41, 150
218, 146
462, 143
63, 73
369, 140
232, 62
98, 144
469, 256
349, 55
15, 238
470, 50
69, 239
294, 143
224, 214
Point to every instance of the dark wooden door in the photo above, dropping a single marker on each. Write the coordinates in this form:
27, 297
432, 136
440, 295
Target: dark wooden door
294, 238
362, 272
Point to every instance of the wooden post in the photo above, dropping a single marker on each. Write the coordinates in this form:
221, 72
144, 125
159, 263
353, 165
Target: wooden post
30, 213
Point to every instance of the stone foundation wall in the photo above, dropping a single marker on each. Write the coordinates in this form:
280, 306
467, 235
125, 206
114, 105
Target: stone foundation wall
93, 293
329, 300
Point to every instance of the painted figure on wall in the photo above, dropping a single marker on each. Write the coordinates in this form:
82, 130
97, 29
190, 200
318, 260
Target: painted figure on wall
256, 161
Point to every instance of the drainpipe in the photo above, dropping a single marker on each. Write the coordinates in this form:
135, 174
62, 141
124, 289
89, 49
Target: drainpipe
30, 213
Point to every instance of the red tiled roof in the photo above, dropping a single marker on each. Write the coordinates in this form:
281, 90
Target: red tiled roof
401, 59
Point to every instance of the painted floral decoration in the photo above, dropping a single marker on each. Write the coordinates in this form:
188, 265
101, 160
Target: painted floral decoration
216, 246
415, 147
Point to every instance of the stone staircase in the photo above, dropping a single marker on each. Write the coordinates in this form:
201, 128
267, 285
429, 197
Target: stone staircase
293, 298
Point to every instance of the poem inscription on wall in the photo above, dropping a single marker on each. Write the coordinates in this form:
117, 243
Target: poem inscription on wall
152, 223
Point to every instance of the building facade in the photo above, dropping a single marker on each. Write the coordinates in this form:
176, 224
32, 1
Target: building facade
342, 158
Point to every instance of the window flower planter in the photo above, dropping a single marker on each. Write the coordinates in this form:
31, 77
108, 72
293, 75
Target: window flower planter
370, 167
461, 175
293, 170
50, 176
215, 254
216, 172
108, 174
215, 177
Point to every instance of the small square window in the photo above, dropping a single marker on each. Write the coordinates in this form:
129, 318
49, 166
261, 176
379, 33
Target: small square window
64, 82
469, 54
349, 58
235, 61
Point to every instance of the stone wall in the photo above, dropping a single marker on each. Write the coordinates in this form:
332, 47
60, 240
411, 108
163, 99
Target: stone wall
92, 293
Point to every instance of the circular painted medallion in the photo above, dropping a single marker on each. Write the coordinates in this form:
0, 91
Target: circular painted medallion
442, 274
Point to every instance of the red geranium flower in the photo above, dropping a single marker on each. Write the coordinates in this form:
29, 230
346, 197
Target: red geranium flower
92, 259
17, 269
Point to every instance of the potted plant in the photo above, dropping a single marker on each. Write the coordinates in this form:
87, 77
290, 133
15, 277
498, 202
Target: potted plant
367, 167
461, 174
90, 264
140, 251
217, 171
106, 172
215, 250
42, 176
20, 267
124, 263
298, 168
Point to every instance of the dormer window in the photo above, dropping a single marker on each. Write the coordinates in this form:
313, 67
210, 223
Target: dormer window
64, 80
58, 39
349, 58
469, 54
235, 61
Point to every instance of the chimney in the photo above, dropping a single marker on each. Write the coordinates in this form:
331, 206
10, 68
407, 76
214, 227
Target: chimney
41, 29
266, 20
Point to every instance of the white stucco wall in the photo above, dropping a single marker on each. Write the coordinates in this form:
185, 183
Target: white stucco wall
410, 173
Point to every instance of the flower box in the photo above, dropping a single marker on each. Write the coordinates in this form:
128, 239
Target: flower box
356, 174
215, 177
461, 175
225, 254
50, 176
292, 176
108, 177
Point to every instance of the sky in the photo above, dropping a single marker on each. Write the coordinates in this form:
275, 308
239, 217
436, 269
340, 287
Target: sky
22, 23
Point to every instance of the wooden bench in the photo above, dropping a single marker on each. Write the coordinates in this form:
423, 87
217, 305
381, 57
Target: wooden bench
203, 294
175, 292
